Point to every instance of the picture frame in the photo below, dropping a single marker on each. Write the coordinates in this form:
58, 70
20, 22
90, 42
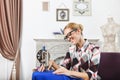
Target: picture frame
81, 7
45, 6
62, 14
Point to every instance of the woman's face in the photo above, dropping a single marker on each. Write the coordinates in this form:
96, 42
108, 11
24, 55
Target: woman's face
72, 36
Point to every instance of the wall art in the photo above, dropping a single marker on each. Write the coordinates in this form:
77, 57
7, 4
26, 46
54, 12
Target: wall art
82, 7
62, 14
45, 6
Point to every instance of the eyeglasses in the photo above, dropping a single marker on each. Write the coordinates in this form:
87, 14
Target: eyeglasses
69, 34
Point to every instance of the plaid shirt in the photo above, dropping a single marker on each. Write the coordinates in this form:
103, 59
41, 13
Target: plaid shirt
85, 59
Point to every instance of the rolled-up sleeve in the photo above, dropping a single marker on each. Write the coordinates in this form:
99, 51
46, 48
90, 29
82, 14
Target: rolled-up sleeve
94, 63
67, 61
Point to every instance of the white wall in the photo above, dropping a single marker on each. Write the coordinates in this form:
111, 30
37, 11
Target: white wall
40, 24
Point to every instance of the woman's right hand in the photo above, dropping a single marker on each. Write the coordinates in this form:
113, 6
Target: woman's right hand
41, 68
50, 64
53, 65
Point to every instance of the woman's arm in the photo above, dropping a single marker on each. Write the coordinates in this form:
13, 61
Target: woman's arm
94, 62
53, 64
66, 62
82, 75
76, 74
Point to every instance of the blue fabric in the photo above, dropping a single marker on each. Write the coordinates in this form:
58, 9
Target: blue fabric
48, 75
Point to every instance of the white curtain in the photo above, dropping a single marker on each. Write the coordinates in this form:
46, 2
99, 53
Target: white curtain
5, 68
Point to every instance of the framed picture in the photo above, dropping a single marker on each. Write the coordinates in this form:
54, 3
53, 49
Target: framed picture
45, 6
81, 7
62, 14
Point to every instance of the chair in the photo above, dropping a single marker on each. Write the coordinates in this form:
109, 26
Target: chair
109, 68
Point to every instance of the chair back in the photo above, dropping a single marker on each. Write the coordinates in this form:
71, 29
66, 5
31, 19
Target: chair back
109, 68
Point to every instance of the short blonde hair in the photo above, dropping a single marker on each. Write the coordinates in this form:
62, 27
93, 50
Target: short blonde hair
73, 25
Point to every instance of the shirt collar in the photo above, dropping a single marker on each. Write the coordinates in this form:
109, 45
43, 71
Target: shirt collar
84, 47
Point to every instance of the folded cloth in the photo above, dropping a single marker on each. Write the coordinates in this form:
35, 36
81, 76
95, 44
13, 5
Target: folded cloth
48, 75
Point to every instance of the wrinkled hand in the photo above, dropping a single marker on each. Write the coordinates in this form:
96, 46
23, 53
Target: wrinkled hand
62, 70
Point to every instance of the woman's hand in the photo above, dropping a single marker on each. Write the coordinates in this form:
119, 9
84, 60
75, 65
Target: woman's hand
50, 64
62, 70
41, 68
76, 74
53, 65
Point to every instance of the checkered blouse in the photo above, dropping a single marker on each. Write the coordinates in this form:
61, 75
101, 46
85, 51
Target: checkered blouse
85, 59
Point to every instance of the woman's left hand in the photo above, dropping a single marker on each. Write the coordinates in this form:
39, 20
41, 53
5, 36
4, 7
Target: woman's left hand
62, 70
